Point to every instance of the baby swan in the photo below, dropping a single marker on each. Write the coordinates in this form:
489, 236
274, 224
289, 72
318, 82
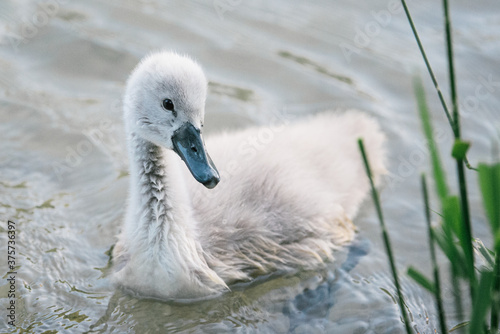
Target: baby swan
286, 196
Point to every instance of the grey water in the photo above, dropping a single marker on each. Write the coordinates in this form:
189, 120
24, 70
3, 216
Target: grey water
63, 163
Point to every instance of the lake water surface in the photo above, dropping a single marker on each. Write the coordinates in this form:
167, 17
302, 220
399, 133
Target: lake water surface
63, 164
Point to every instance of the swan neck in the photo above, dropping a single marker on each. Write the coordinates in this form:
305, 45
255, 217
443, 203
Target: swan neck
157, 193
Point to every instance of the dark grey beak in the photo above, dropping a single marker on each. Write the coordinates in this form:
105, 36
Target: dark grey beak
189, 145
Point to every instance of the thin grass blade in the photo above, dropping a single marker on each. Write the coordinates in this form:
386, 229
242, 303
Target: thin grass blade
489, 183
437, 168
485, 254
385, 236
420, 278
481, 303
437, 279
427, 64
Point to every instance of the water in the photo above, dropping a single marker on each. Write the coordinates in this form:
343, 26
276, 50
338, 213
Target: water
63, 166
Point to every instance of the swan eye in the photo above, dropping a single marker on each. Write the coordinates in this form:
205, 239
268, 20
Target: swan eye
168, 104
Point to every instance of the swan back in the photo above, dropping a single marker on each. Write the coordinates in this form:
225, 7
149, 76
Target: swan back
286, 200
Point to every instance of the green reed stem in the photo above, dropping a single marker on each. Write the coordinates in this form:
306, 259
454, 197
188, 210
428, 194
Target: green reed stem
428, 65
451, 120
451, 70
457, 294
495, 305
437, 280
385, 236
466, 224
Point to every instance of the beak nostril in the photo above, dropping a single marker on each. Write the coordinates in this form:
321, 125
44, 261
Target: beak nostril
193, 148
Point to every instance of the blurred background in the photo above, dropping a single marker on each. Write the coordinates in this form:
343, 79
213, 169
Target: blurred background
63, 163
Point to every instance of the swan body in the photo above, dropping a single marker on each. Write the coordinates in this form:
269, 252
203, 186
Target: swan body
286, 197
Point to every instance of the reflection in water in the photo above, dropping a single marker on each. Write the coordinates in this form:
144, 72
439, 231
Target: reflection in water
329, 301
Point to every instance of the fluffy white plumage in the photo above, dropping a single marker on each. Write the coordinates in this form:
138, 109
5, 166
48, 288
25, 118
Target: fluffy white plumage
285, 200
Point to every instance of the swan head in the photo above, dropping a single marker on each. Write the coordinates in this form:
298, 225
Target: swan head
165, 104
